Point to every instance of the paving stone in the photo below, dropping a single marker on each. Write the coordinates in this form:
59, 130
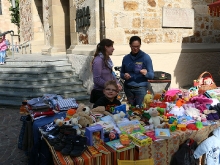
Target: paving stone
10, 126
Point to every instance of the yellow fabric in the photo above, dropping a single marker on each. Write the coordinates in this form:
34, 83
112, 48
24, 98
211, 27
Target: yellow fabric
136, 162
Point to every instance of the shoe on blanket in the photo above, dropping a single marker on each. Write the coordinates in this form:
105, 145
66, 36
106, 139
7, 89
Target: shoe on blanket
79, 146
69, 144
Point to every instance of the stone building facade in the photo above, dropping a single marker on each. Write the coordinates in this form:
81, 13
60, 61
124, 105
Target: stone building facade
180, 35
5, 20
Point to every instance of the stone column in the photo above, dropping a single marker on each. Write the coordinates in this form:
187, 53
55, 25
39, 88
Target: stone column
37, 27
57, 27
73, 33
47, 30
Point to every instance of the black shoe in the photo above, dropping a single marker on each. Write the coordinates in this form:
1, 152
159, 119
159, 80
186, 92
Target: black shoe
60, 145
56, 139
79, 146
69, 145
68, 130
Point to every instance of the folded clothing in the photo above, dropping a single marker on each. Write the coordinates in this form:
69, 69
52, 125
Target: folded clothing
65, 104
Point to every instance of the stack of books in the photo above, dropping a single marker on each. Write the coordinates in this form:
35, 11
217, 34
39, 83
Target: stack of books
162, 133
214, 93
117, 146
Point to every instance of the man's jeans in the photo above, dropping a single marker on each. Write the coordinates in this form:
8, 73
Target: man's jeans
2, 56
135, 96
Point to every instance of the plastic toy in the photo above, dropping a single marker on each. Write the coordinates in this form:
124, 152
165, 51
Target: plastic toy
124, 139
181, 127
199, 124
91, 134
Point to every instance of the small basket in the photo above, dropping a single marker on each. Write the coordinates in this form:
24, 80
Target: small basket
204, 87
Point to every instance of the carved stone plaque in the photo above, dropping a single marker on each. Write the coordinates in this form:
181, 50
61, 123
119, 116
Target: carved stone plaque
178, 17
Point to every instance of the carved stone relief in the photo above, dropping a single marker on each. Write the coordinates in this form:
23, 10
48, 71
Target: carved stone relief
26, 20
46, 16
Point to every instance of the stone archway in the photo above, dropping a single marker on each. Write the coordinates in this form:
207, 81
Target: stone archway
56, 26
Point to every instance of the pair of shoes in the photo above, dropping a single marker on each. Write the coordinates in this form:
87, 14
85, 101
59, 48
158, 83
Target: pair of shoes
1, 63
75, 145
211, 114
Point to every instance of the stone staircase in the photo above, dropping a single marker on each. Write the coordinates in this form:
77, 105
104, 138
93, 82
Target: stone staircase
29, 76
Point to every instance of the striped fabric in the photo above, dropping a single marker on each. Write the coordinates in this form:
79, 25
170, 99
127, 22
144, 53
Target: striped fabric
65, 104
87, 159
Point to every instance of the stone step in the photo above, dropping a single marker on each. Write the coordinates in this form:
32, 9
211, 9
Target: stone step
27, 95
40, 80
18, 101
37, 63
42, 74
34, 68
24, 77
40, 88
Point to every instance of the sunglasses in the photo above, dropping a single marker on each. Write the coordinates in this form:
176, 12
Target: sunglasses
112, 90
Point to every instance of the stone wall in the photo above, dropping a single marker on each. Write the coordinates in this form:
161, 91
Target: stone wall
144, 18
5, 21
26, 32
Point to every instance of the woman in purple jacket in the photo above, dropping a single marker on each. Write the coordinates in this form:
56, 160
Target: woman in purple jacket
102, 68
3, 48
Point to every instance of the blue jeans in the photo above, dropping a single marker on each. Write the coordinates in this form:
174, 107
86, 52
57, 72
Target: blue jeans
2, 56
135, 96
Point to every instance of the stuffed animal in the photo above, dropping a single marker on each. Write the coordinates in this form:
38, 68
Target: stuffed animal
178, 111
83, 108
148, 98
208, 81
118, 117
155, 118
59, 122
74, 122
84, 119
70, 113
100, 110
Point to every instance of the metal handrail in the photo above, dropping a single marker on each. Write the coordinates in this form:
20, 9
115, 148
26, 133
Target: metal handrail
25, 45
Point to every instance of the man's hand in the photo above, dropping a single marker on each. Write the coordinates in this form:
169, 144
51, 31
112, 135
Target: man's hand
127, 76
143, 71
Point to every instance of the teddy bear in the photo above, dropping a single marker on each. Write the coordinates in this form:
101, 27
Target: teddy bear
148, 98
75, 123
118, 117
85, 120
83, 112
155, 118
83, 108
100, 110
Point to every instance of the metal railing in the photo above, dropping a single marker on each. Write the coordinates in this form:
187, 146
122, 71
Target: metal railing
24, 46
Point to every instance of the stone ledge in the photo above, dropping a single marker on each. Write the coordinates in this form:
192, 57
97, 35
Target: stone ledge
157, 48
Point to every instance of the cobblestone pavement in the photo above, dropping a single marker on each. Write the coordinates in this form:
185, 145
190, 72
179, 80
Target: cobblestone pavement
10, 126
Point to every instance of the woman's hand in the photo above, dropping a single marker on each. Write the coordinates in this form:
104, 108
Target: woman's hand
143, 71
127, 76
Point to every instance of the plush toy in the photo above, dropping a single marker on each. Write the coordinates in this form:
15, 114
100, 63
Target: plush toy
83, 108
155, 118
118, 117
70, 113
100, 110
193, 112
59, 122
84, 119
178, 111
180, 102
148, 98
200, 102
74, 122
